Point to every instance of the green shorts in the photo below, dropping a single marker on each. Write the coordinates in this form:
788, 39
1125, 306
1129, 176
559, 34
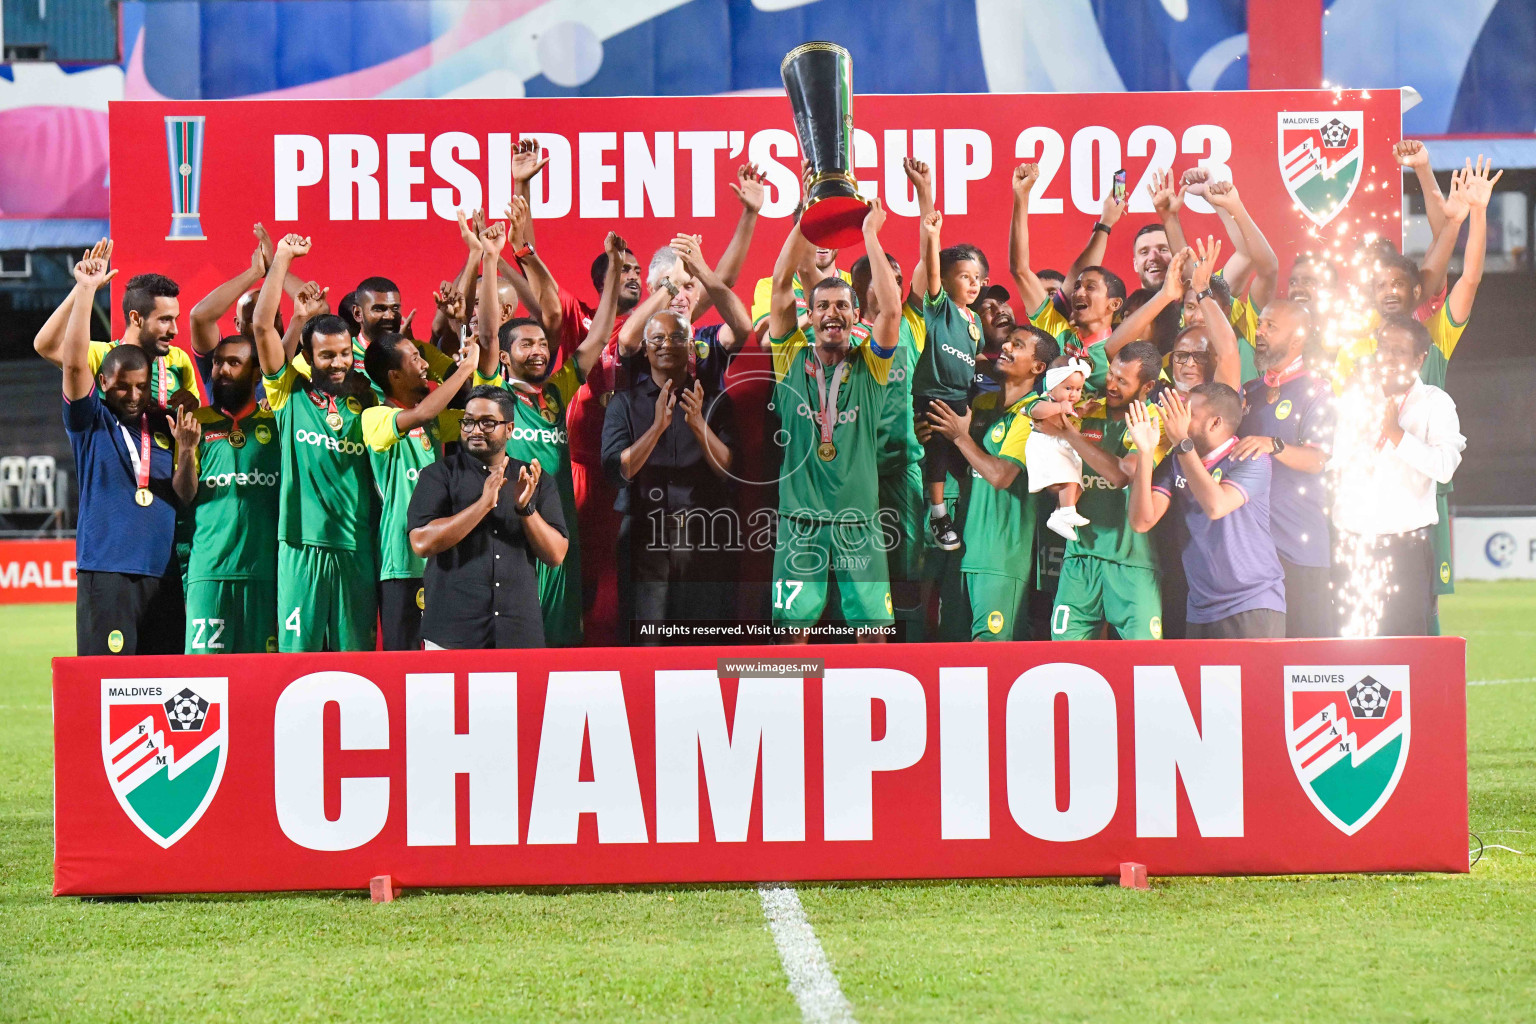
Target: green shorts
327, 599
851, 553
1445, 568
998, 606
1093, 591
231, 617
560, 600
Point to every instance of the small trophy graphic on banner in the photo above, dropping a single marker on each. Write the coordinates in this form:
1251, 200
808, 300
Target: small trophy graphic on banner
184, 150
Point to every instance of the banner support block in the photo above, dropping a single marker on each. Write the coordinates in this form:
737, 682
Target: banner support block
1133, 875
383, 889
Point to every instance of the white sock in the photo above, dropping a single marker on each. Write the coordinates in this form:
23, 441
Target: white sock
938, 511
1070, 509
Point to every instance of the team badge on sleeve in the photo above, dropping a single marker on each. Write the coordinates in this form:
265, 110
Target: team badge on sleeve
1321, 159
164, 745
1347, 730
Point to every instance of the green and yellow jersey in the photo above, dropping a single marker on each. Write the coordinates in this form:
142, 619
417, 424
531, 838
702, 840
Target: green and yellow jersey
397, 460
1109, 535
233, 520
168, 374
326, 494
899, 446
1000, 523
539, 433
838, 481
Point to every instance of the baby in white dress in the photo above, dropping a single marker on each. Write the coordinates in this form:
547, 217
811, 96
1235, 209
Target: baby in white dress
1050, 461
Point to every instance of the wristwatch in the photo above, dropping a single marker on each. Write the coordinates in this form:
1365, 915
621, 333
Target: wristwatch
1184, 447
671, 286
524, 512
1202, 296
1101, 226
524, 252
1279, 447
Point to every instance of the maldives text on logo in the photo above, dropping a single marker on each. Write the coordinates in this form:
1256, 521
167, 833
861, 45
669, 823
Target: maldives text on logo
1347, 729
164, 743
1321, 159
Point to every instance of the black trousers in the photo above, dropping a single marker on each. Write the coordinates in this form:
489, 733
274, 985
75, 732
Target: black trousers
668, 574
400, 614
1408, 601
940, 456
1255, 624
123, 613
1308, 603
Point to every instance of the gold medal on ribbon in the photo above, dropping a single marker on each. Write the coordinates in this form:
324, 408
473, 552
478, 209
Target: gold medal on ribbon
237, 438
827, 450
1273, 395
975, 331
334, 421
143, 497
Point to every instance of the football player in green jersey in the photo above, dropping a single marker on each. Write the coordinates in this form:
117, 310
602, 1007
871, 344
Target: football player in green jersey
1095, 298
1000, 521
232, 508
404, 436
1110, 573
829, 398
327, 596
516, 355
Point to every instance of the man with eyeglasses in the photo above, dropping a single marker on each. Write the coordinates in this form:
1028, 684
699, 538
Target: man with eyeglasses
482, 542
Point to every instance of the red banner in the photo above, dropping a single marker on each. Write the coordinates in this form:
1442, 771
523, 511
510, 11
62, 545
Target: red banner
287, 772
34, 571
376, 182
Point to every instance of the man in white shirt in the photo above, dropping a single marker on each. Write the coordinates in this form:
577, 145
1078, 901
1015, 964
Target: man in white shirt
1385, 503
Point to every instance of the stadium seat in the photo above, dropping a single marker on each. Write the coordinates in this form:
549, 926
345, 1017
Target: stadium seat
41, 492
13, 482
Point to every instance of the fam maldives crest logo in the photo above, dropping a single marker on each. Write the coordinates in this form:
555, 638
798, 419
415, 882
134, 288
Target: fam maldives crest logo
1322, 156
1347, 730
164, 743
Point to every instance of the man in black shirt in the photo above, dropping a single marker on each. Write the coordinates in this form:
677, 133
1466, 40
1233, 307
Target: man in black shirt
667, 447
482, 590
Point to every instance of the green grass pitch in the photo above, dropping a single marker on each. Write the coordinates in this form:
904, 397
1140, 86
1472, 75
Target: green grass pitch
1327, 948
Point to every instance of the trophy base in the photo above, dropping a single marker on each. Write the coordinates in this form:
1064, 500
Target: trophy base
186, 227
835, 221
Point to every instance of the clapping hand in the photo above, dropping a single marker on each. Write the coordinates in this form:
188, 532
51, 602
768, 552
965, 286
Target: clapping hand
1175, 415
1141, 427
528, 484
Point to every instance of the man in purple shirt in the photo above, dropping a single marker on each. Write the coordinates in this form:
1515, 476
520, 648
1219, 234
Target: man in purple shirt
1290, 418
1236, 585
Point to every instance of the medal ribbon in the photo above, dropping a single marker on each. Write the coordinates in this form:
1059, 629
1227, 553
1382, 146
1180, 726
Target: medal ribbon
140, 458
329, 403
1274, 378
826, 395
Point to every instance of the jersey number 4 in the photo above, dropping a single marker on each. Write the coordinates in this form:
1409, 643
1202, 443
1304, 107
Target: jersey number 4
212, 642
292, 622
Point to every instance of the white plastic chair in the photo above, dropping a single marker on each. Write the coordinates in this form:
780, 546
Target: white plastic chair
13, 481
42, 470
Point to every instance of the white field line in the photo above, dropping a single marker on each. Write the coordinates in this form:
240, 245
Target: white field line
1499, 682
811, 980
